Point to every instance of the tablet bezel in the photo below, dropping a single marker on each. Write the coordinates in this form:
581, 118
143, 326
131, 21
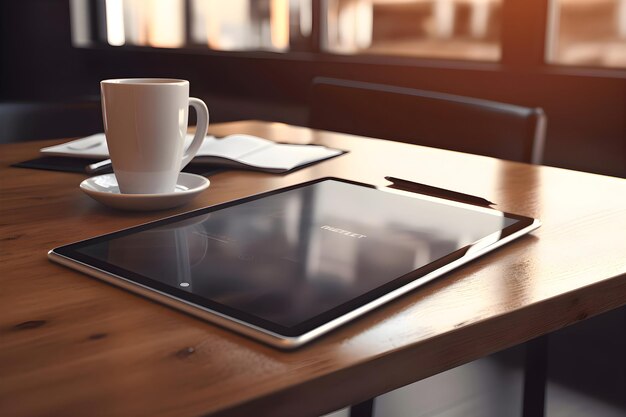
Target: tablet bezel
264, 330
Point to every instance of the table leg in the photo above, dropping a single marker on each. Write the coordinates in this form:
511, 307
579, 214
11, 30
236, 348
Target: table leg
535, 376
364, 409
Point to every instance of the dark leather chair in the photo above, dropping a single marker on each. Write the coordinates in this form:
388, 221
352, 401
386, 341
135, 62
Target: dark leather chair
22, 121
428, 118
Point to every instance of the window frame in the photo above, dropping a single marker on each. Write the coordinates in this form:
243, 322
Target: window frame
524, 44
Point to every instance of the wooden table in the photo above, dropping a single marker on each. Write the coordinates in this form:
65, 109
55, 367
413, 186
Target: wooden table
72, 345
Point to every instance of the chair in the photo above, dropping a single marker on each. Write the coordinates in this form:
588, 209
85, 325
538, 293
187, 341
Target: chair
22, 121
428, 118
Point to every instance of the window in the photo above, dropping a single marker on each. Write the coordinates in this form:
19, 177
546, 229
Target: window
578, 32
233, 25
459, 29
587, 33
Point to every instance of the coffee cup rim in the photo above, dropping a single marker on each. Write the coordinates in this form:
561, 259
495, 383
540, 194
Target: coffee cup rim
145, 81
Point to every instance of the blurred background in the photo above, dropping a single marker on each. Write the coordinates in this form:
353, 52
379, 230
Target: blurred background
257, 58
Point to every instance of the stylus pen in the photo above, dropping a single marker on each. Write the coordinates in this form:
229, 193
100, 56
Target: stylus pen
98, 166
416, 187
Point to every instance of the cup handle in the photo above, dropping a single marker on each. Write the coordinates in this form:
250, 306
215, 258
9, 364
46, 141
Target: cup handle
202, 115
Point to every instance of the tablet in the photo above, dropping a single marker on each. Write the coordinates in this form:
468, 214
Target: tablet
286, 266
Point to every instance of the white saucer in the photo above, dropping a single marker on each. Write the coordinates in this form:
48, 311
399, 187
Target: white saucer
104, 189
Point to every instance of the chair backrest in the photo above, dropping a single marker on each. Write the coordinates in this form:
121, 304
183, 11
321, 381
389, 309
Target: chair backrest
428, 118
22, 121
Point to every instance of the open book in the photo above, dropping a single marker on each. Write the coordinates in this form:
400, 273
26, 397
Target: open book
234, 151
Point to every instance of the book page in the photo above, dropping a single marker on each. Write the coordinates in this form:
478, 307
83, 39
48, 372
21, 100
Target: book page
232, 146
282, 156
252, 151
94, 146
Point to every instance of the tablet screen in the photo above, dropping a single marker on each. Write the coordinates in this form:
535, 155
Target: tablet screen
293, 259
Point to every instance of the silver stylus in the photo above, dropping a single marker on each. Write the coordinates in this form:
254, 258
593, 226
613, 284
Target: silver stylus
91, 168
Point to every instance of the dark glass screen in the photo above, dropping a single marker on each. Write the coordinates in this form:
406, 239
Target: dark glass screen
289, 257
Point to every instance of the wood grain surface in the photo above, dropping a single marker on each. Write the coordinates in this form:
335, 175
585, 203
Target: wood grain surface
72, 345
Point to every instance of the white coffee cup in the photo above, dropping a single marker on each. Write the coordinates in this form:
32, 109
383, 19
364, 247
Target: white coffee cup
145, 120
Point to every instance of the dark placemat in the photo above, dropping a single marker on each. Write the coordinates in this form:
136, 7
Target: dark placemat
202, 169
59, 163
68, 164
